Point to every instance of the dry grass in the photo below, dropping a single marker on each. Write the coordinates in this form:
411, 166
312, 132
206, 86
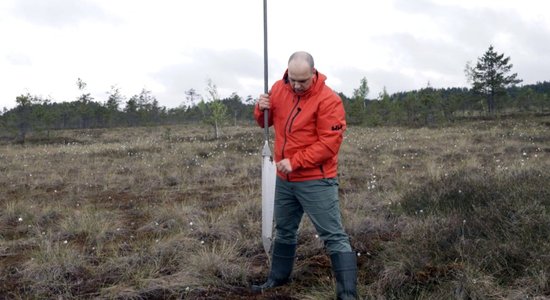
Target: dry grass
461, 212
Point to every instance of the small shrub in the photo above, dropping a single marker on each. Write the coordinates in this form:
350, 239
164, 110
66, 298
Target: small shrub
495, 224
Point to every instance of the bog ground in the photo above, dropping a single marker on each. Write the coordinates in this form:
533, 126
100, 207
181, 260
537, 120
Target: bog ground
461, 212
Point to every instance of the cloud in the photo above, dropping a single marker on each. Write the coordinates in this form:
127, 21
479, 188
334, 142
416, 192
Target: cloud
18, 59
395, 81
346, 80
524, 40
459, 33
432, 55
59, 13
169, 47
236, 70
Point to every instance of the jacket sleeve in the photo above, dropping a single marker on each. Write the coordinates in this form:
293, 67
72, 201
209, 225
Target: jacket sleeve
331, 124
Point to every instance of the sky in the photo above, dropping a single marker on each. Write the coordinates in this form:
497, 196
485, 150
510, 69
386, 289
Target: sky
171, 46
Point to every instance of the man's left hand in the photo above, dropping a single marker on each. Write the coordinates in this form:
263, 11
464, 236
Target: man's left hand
284, 166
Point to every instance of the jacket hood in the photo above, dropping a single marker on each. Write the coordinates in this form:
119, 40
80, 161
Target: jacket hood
316, 86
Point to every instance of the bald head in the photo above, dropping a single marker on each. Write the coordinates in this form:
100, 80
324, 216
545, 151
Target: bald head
300, 71
302, 56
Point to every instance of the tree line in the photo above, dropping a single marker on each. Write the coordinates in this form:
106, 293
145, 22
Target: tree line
433, 107
40, 116
494, 92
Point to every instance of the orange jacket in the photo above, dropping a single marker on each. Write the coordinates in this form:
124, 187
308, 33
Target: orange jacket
308, 127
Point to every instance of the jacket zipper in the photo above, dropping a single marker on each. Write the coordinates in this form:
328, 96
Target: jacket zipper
293, 118
287, 126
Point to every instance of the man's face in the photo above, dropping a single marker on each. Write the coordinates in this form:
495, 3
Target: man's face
300, 76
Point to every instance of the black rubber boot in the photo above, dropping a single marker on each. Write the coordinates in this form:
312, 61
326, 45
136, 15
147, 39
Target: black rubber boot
344, 266
282, 262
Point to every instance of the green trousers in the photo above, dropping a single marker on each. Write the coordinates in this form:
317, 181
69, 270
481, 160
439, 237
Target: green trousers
319, 200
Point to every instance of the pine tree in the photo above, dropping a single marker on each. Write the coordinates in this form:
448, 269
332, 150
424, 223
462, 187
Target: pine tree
490, 76
112, 105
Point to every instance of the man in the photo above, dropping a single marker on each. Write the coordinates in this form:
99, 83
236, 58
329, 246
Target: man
309, 122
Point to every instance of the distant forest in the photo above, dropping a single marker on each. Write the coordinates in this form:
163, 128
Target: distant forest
424, 107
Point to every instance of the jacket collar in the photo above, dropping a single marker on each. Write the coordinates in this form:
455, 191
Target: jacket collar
316, 85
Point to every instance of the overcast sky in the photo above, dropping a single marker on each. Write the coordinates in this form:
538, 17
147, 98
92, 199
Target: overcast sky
171, 46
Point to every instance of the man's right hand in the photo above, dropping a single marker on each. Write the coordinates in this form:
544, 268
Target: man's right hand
263, 102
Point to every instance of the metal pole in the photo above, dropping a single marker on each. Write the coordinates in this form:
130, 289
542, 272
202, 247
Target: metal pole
266, 111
